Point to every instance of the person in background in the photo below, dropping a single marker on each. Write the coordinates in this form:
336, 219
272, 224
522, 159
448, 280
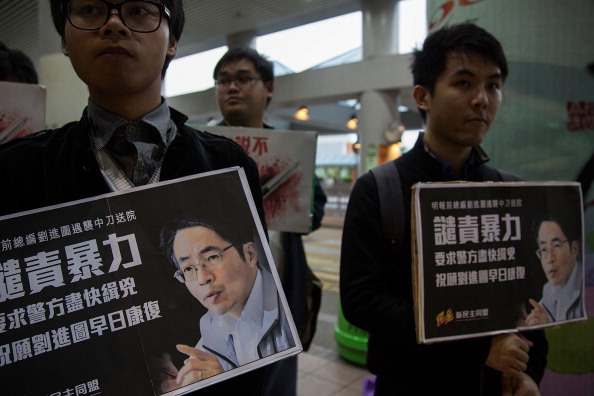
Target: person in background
15, 66
127, 135
559, 254
458, 75
244, 81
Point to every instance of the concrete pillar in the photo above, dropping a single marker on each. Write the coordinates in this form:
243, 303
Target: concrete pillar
66, 94
380, 27
242, 39
49, 39
378, 109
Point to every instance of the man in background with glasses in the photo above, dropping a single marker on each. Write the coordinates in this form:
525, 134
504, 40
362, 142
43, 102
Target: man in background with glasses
218, 264
127, 135
558, 250
244, 81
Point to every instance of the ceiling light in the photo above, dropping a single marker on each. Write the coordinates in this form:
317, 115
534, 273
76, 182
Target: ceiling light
352, 122
393, 133
302, 114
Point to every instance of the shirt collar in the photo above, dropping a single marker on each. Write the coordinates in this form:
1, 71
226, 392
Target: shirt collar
477, 157
223, 123
104, 124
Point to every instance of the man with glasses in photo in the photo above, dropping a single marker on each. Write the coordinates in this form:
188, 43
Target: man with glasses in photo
218, 262
559, 254
127, 135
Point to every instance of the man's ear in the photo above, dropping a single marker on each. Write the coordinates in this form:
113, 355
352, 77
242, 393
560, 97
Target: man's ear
64, 48
269, 91
575, 249
172, 48
422, 97
250, 252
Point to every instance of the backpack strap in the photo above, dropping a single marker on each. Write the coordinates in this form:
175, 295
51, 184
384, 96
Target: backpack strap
507, 176
391, 203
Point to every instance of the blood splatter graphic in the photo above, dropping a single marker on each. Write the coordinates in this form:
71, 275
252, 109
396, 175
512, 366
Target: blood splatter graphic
286, 195
9, 118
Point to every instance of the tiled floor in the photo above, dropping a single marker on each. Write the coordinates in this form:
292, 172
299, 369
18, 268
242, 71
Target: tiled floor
325, 377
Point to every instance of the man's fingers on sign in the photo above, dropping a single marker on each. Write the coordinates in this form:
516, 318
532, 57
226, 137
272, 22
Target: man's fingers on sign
538, 315
536, 305
527, 343
508, 354
198, 366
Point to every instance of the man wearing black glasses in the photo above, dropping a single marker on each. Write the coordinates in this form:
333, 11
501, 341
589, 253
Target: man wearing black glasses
127, 135
218, 262
244, 82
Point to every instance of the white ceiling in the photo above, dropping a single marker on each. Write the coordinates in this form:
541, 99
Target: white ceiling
18, 26
208, 22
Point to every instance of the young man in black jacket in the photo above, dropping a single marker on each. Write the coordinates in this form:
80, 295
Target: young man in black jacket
458, 77
127, 135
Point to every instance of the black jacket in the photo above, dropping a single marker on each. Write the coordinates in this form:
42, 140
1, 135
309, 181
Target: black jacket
57, 166
376, 295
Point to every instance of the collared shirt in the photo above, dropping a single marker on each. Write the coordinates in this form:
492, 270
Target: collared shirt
561, 302
215, 122
246, 331
130, 152
477, 156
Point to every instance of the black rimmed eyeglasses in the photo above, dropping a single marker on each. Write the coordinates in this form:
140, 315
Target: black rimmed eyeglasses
545, 250
208, 262
138, 16
241, 82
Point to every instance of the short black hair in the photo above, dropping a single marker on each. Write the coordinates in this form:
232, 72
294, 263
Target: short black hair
16, 66
263, 66
466, 38
176, 22
236, 236
570, 225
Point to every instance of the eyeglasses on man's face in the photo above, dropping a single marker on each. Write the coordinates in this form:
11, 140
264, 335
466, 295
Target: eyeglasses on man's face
240, 82
546, 249
208, 262
138, 16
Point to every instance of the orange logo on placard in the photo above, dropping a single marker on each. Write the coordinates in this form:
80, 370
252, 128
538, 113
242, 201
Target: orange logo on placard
444, 317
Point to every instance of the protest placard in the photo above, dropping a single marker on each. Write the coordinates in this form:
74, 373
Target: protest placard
496, 257
97, 295
22, 109
286, 162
